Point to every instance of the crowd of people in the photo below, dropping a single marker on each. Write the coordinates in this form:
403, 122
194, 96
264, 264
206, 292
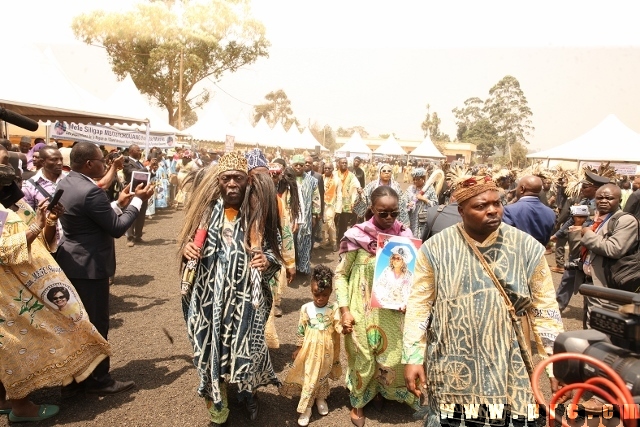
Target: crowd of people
252, 224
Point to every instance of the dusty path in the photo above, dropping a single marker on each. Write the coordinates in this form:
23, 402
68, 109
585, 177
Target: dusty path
145, 301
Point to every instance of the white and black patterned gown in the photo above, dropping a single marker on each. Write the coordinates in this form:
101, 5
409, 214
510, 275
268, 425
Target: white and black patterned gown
226, 331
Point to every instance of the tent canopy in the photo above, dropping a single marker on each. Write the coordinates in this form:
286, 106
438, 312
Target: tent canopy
130, 101
244, 131
35, 86
355, 144
391, 147
309, 142
427, 149
611, 140
212, 124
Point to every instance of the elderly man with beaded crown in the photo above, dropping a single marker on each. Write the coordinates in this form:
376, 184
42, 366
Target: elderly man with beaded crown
228, 304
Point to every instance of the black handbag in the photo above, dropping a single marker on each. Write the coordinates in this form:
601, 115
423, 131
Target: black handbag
624, 273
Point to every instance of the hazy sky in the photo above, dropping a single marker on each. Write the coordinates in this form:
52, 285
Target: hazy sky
377, 64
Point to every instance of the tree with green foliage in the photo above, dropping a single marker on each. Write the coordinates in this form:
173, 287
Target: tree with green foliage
431, 126
466, 116
162, 44
509, 113
324, 135
348, 132
276, 109
483, 134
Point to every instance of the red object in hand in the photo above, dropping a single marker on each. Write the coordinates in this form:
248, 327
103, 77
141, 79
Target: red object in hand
201, 235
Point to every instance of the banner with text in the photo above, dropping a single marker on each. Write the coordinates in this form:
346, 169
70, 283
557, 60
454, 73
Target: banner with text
621, 168
103, 135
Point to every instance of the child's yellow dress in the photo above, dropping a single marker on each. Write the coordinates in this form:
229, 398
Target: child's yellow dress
319, 357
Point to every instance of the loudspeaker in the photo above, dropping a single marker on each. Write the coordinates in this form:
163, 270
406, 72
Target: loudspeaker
318, 150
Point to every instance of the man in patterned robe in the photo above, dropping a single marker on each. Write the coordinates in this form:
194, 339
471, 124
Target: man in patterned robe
226, 317
310, 208
457, 327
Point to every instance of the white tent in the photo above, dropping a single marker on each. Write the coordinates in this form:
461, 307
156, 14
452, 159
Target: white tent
427, 149
293, 139
391, 147
611, 140
128, 99
35, 86
244, 132
355, 144
263, 133
309, 141
212, 124
279, 138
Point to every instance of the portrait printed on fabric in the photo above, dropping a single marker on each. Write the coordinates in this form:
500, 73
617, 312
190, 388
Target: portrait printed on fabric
393, 277
63, 298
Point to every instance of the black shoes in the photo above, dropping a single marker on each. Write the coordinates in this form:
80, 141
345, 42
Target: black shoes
115, 388
252, 408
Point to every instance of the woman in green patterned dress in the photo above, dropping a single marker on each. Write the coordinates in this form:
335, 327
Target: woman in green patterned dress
373, 336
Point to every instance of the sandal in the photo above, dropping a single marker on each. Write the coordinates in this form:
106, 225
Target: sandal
44, 412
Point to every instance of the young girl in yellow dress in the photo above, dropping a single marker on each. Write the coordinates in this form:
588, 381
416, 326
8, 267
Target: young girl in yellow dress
317, 358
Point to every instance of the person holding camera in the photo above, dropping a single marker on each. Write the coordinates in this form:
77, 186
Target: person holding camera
132, 164
87, 252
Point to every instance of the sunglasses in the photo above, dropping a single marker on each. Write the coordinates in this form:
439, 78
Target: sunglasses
58, 298
385, 214
385, 171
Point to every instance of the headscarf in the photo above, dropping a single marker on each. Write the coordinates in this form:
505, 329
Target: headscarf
418, 172
382, 166
365, 236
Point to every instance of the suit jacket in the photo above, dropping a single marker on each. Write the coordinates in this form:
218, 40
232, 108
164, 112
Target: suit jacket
633, 204
530, 215
614, 244
436, 222
130, 166
86, 250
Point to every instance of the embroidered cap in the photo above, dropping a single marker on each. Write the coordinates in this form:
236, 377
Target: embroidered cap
256, 159
472, 187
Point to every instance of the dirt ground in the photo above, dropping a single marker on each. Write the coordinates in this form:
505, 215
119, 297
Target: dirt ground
150, 346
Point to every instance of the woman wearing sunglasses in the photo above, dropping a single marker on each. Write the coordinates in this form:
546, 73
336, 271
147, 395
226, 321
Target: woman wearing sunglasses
371, 334
385, 177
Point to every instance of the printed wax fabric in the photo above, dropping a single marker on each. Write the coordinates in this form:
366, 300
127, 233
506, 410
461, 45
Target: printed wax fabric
374, 348
318, 360
226, 330
42, 344
470, 351
415, 206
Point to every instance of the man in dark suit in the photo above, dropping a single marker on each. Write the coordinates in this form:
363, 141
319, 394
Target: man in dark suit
131, 165
308, 169
529, 214
633, 202
86, 252
441, 217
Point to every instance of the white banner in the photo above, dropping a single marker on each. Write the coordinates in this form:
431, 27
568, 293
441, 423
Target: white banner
621, 168
103, 135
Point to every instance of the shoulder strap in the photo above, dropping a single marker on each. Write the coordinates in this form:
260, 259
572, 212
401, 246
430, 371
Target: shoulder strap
38, 187
440, 209
517, 324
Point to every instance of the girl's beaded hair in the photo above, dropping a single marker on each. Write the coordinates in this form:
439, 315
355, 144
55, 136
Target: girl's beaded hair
323, 276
